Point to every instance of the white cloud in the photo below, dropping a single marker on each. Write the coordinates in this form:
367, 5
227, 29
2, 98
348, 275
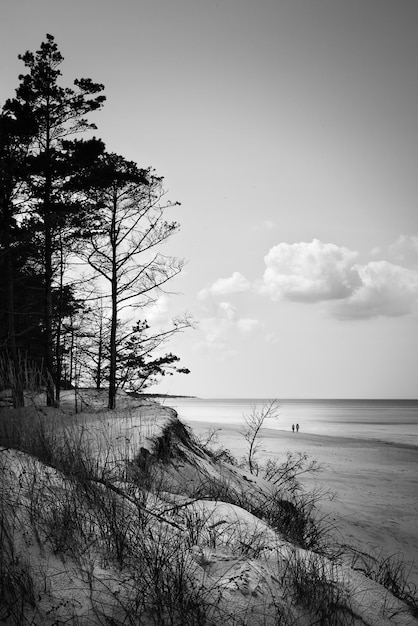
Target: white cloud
315, 272
247, 325
309, 272
157, 313
323, 272
386, 290
236, 283
228, 310
213, 329
219, 331
405, 250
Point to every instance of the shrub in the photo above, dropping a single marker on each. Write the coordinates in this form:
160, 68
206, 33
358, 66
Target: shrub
389, 571
17, 587
314, 586
210, 445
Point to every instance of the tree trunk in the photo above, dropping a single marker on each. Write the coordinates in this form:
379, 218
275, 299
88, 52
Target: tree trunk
48, 344
112, 373
16, 370
58, 355
100, 352
113, 326
72, 348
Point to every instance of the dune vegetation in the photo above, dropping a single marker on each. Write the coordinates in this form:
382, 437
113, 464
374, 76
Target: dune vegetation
112, 511
125, 517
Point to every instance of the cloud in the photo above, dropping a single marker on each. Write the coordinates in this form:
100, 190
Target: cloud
386, 290
157, 312
247, 325
309, 272
318, 272
236, 283
227, 310
405, 250
323, 272
219, 331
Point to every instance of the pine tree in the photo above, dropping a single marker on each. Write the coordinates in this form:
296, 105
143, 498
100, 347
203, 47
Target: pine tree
56, 113
124, 249
15, 138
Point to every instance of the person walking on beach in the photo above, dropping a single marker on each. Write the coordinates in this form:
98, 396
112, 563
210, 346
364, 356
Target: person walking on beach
297, 428
293, 428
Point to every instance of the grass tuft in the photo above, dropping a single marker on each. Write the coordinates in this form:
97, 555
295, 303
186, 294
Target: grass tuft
136, 545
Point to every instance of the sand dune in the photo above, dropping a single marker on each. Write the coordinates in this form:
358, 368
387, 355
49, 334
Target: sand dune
96, 536
375, 485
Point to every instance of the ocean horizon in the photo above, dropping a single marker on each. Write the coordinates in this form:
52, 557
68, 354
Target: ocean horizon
389, 420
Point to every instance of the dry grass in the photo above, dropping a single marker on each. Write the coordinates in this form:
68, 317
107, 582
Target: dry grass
141, 554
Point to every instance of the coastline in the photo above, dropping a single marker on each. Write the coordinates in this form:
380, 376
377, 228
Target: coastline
375, 507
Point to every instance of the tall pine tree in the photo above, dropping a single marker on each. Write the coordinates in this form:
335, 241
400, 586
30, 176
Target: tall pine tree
15, 139
124, 249
56, 113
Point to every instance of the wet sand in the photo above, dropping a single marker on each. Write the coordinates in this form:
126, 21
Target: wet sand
375, 483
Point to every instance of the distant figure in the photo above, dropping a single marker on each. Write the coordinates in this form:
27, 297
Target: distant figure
293, 427
297, 428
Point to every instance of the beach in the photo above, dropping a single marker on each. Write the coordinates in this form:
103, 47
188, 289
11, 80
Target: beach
375, 484
173, 517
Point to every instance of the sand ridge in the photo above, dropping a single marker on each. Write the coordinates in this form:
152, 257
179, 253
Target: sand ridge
375, 483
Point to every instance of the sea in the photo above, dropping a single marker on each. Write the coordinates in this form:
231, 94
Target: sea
392, 421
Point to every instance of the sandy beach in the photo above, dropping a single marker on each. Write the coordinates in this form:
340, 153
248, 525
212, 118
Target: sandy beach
375, 508
252, 571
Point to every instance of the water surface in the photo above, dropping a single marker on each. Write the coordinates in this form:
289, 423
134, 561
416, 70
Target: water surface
394, 421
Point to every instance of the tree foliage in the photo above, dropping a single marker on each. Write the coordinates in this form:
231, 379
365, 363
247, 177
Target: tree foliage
64, 198
123, 248
138, 366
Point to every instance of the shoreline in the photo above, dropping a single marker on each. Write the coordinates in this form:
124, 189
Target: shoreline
339, 440
375, 484
395, 421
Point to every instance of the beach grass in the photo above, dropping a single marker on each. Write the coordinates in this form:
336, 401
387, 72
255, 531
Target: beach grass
119, 534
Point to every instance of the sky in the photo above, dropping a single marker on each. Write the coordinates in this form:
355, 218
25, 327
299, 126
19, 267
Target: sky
288, 131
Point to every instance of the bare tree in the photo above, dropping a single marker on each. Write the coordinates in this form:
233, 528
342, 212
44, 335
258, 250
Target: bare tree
123, 246
14, 141
254, 423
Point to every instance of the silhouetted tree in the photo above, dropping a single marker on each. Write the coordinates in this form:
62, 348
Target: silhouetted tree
138, 366
124, 249
57, 194
56, 113
88, 335
15, 138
